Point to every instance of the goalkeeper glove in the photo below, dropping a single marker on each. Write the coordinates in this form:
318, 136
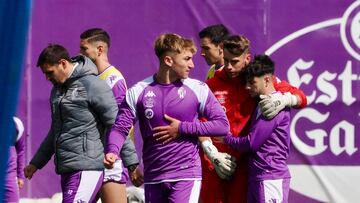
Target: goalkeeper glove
271, 105
224, 163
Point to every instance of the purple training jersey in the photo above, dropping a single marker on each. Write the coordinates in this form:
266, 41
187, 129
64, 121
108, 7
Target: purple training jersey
116, 82
148, 101
269, 144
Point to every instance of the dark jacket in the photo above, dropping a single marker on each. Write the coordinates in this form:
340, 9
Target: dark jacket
81, 109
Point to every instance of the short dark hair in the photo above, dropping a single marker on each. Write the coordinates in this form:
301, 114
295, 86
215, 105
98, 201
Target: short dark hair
52, 54
95, 35
216, 33
260, 66
237, 44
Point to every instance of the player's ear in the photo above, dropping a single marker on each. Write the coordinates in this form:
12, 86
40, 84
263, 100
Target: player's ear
63, 63
247, 58
100, 49
168, 60
221, 48
267, 80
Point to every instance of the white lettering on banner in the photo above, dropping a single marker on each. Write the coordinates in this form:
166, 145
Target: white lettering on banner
347, 77
326, 94
329, 90
318, 135
349, 144
293, 74
297, 80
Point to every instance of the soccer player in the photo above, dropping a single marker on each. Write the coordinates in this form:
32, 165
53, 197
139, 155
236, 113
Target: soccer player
211, 39
95, 44
268, 141
15, 171
82, 107
228, 85
167, 106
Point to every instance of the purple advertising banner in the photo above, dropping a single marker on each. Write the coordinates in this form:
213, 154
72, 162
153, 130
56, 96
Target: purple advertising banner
315, 45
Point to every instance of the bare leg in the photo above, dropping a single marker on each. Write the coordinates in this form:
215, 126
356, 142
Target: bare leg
113, 192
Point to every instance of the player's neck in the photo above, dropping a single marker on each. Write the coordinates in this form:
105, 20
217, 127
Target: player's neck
220, 63
102, 64
269, 90
164, 76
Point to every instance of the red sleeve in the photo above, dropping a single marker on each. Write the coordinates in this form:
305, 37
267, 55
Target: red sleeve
283, 86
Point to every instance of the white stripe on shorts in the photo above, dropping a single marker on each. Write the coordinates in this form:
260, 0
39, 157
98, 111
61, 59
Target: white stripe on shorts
195, 192
273, 190
88, 183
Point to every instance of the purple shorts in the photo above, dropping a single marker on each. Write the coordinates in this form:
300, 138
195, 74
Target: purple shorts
173, 192
81, 186
275, 191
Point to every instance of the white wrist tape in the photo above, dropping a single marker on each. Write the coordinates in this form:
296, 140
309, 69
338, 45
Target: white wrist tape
293, 101
209, 148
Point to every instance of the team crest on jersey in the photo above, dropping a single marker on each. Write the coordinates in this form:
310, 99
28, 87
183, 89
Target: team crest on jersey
149, 113
221, 96
181, 92
149, 102
150, 94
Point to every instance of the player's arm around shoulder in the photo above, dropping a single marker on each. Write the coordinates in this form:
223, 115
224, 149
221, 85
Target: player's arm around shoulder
283, 86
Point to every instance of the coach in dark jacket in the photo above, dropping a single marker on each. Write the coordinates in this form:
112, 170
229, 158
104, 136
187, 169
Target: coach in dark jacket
82, 107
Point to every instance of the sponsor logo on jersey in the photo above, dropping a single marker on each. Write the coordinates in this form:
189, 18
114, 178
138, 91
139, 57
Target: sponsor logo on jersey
112, 78
149, 113
150, 94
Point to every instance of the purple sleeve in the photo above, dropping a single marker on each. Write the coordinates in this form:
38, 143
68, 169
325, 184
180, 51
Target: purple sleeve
123, 123
260, 131
119, 91
20, 150
217, 123
241, 144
